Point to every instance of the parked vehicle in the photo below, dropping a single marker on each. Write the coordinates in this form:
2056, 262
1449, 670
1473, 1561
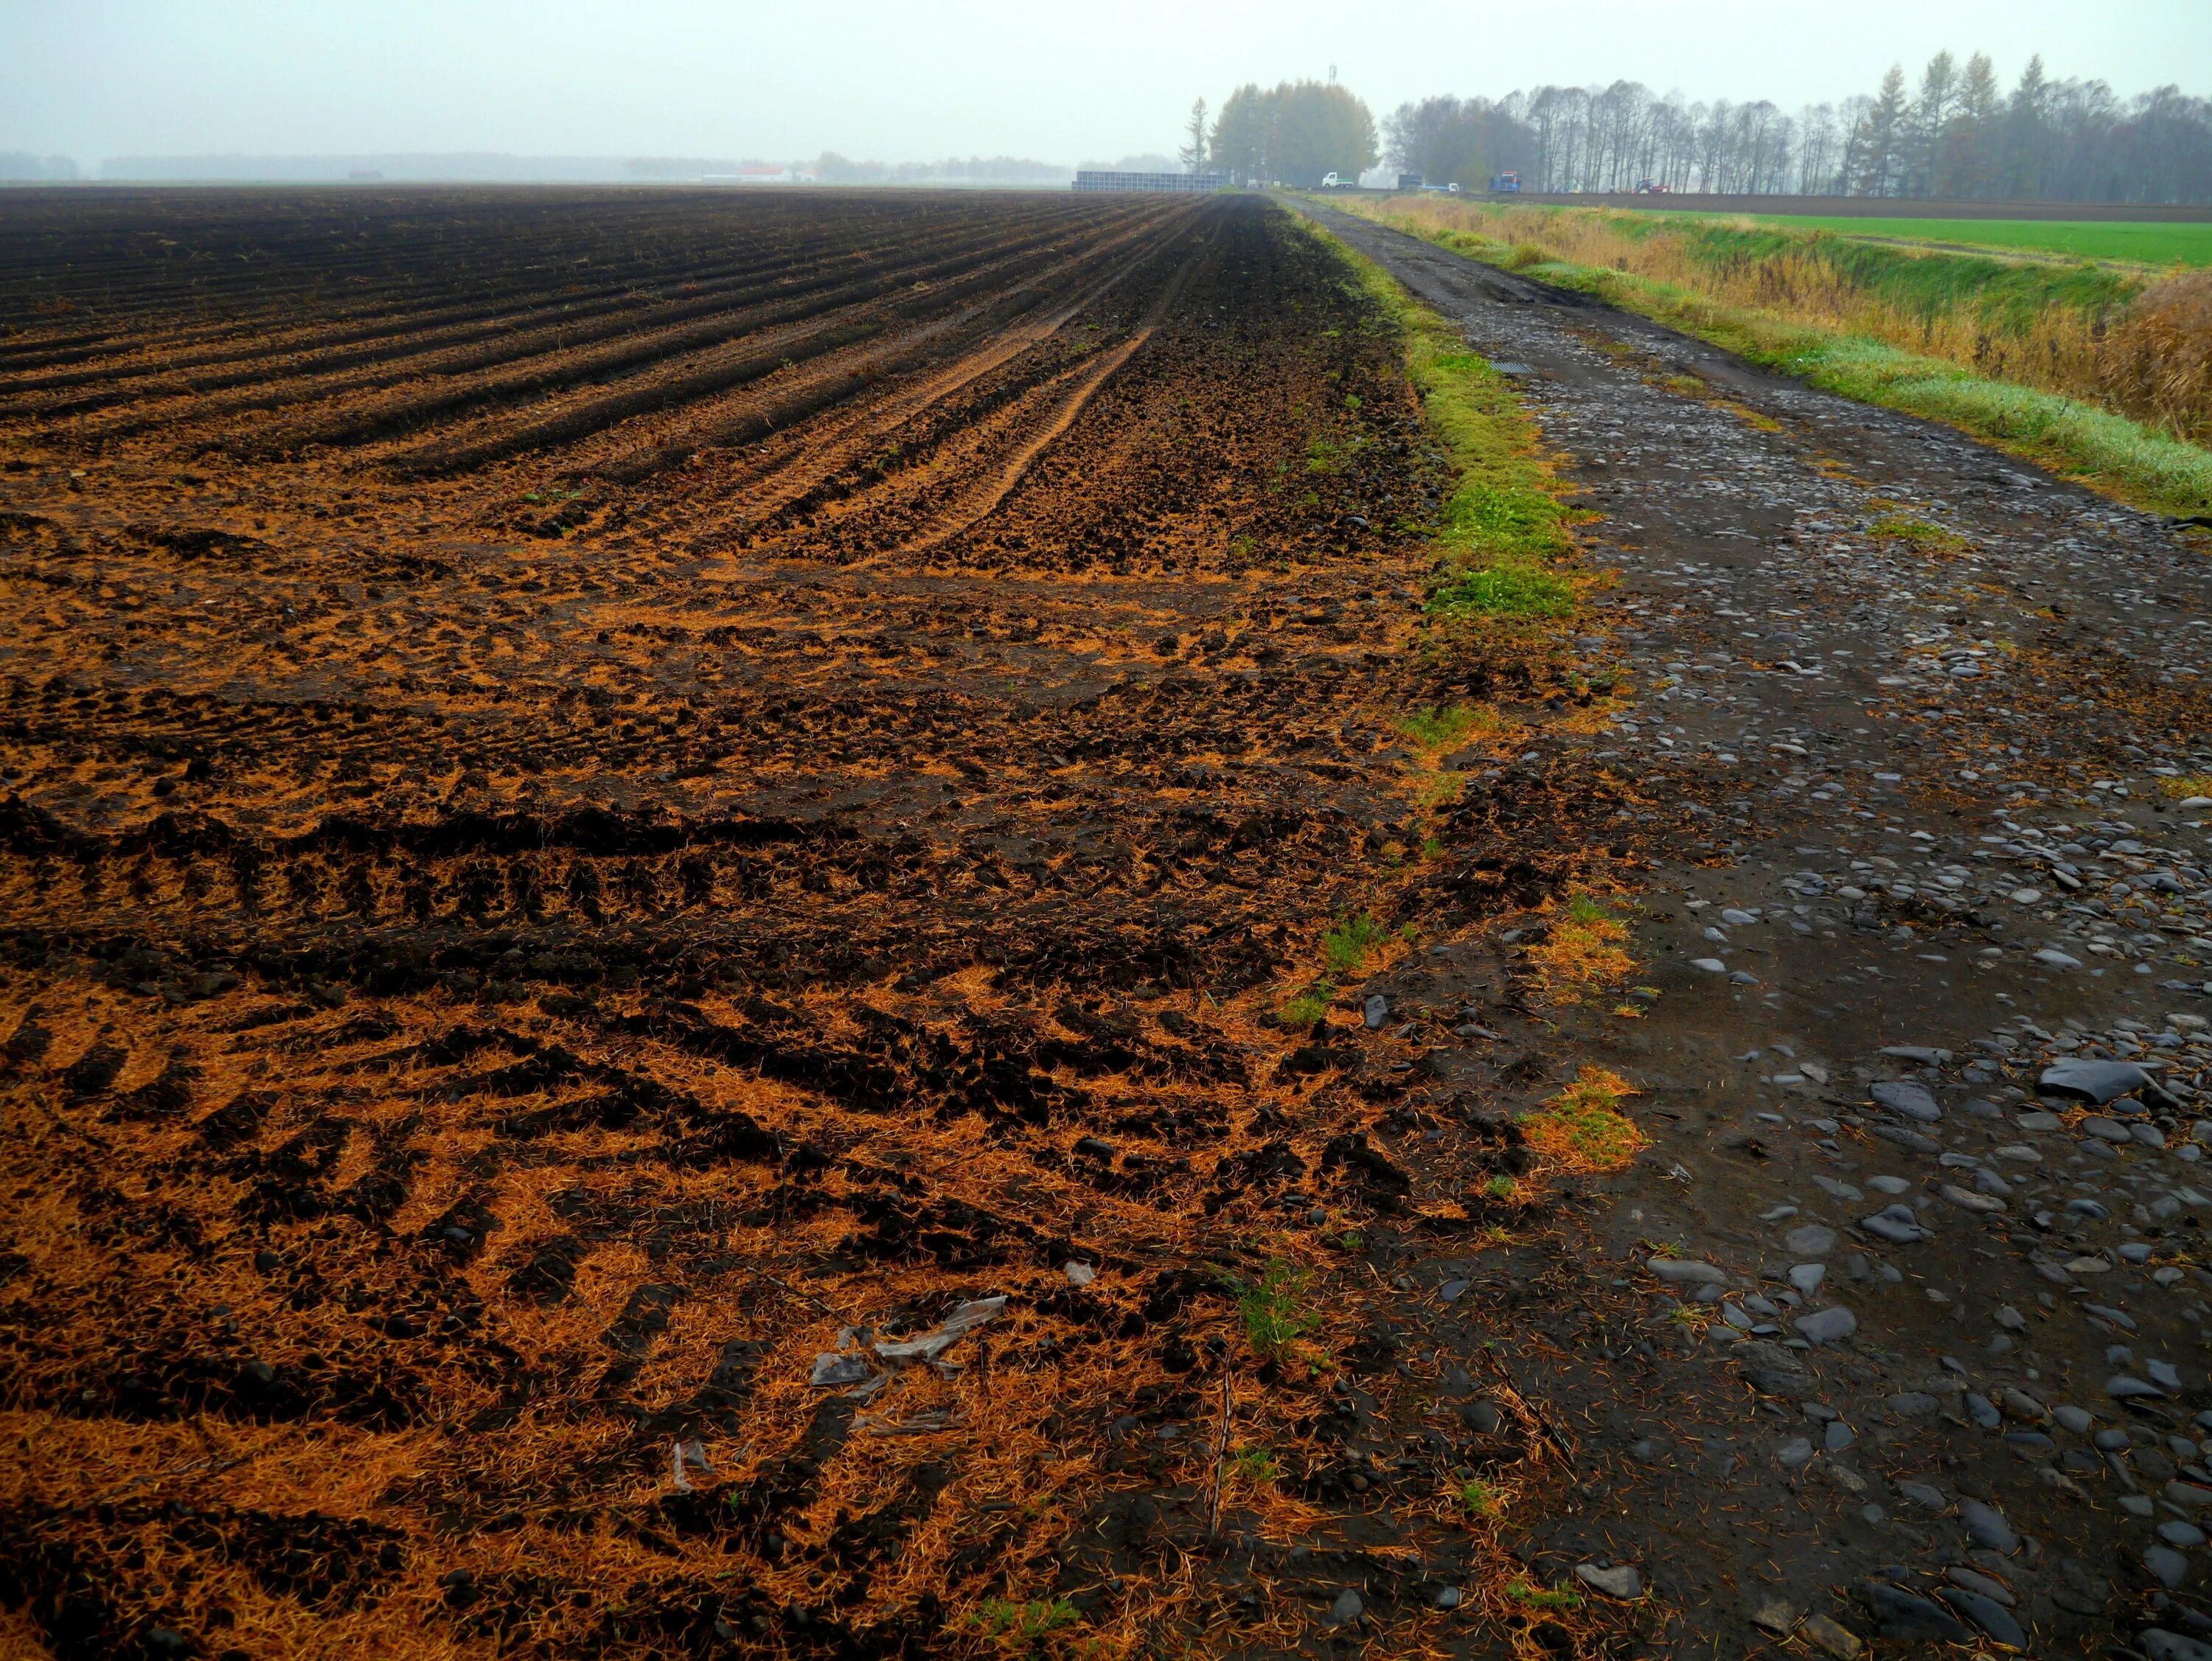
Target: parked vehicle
1411, 182
1505, 184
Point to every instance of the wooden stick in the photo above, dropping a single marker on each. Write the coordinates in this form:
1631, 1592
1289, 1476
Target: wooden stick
1220, 1454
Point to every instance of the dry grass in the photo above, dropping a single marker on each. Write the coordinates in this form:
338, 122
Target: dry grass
1581, 953
1581, 1129
2156, 362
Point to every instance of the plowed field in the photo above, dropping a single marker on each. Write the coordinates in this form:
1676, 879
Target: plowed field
607, 794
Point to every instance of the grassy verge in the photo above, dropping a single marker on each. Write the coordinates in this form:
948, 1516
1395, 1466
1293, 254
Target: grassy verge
1504, 527
2065, 434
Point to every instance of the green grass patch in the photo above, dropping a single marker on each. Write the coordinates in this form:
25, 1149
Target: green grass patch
1346, 948
1308, 1007
1254, 1464
1918, 533
1445, 726
1477, 1499
1023, 1624
1274, 1310
1505, 524
1537, 1597
2130, 243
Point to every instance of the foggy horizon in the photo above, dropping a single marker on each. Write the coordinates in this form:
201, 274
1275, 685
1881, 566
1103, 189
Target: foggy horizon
114, 79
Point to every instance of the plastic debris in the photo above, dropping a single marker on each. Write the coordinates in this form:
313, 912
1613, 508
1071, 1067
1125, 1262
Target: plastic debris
831, 1367
903, 1352
693, 1454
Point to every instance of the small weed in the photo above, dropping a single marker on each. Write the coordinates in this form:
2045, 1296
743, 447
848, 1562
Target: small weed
1023, 1624
1350, 1241
2182, 789
1477, 1499
1499, 1188
1582, 1127
1308, 1007
1443, 726
1254, 1465
1347, 947
1272, 1309
1325, 455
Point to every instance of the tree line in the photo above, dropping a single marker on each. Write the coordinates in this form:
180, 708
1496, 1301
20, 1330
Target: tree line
1296, 132
1955, 134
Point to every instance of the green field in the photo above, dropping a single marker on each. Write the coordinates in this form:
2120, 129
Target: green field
2137, 244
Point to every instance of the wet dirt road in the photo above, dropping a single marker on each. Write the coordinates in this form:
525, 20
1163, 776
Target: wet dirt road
1931, 1359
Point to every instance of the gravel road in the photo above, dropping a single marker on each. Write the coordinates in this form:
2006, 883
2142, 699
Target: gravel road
1927, 1057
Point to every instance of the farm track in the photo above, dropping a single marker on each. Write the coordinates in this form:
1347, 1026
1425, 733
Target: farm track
496, 955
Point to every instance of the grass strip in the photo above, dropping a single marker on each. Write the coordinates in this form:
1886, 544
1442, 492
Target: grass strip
2106, 452
1504, 525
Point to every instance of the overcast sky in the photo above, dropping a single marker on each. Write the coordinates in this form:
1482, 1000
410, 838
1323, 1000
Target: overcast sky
914, 80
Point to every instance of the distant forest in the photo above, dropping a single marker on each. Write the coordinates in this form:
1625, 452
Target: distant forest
1956, 135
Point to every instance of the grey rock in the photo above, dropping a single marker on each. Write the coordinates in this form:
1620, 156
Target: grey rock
1986, 1526
1811, 1241
2163, 1374
1922, 1054
1837, 1437
2171, 1568
1795, 1454
2188, 1495
1620, 1581
2161, 1645
1912, 1404
2101, 1081
1827, 1325
1926, 1496
1376, 1010
2017, 1404
1986, 1613
1805, 1277
1771, 1369
2073, 1418
1347, 1608
1449, 1597
2122, 1388
1902, 1096
1686, 1271
2182, 1537
1901, 1136
1963, 1578
1982, 1410
1896, 1224
1912, 1620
